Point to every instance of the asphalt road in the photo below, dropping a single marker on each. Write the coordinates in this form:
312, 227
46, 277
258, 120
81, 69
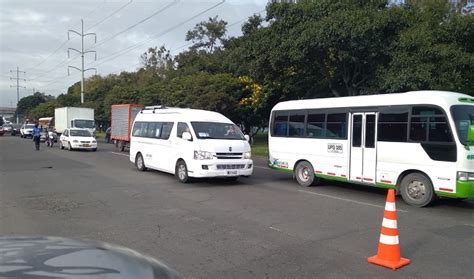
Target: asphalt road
265, 226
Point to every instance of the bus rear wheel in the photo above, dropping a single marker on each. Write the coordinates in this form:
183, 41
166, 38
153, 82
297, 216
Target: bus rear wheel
304, 174
417, 190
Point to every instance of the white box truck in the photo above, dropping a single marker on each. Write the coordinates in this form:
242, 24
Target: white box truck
72, 117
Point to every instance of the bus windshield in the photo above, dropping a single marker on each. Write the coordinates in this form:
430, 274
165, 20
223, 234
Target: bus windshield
80, 123
213, 130
463, 116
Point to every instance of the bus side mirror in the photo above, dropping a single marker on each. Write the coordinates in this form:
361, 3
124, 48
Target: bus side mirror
247, 137
470, 134
187, 136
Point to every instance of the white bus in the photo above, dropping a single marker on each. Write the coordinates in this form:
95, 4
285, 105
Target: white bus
189, 143
419, 143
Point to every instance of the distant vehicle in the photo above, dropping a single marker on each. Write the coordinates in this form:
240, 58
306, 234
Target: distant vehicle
7, 128
72, 117
77, 139
2, 131
15, 129
122, 120
189, 143
420, 143
26, 130
46, 122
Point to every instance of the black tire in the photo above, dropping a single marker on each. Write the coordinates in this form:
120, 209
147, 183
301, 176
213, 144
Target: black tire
69, 147
181, 172
417, 190
304, 174
94, 149
139, 162
61, 146
122, 146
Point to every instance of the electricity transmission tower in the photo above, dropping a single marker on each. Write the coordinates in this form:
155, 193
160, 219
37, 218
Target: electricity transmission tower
17, 88
81, 52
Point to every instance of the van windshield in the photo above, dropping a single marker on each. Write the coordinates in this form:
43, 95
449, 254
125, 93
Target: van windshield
463, 116
213, 130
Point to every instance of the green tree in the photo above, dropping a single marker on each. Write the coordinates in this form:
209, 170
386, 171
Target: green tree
26, 104
207, 35
43, 110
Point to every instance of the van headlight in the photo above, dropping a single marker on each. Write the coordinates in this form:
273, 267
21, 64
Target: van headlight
202, 155
247, 155
465, 176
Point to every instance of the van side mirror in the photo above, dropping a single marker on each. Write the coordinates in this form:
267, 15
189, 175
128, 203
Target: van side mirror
247, 138
187, 136
470, 134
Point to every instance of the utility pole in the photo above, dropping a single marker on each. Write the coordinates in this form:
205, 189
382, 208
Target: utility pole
81, 52
17, 88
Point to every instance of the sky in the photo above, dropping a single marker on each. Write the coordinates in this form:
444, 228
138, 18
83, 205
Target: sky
34, 36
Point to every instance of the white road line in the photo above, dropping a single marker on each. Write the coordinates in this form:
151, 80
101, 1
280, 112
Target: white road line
275, 229
126, 155
470, 225
347, 200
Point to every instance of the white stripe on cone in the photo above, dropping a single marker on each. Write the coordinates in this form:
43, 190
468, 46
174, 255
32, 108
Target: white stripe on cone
390, 206
388, 239
389, 223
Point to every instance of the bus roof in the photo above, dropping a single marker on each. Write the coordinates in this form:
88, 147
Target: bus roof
181, 114
441, 98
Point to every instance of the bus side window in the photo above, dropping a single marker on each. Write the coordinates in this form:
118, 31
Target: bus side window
315, 125
280, 124
296, 124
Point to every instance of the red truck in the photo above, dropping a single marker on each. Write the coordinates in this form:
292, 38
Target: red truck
122, 117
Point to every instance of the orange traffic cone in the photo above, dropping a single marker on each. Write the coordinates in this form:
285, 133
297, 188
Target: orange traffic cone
388, 254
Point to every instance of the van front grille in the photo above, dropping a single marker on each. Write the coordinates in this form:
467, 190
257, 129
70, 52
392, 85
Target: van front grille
229, 155
230, 166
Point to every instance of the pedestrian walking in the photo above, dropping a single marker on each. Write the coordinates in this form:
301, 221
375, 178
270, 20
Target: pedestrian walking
36, 136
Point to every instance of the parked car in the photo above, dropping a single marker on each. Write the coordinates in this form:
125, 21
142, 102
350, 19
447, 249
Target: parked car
77, 139
15, 130
2, 131
27, 130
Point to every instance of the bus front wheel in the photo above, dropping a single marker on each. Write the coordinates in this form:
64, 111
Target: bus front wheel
305, 174
417, 190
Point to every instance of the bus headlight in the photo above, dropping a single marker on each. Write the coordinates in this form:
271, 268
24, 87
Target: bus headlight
202, 155
247, 155
465, 176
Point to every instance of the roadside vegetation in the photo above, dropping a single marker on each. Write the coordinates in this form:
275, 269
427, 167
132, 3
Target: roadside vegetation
311, 49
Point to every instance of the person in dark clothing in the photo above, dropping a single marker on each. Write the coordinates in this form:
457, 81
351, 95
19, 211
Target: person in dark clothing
36, 136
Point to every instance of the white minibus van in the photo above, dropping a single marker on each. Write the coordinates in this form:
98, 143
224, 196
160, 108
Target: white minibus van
189, 143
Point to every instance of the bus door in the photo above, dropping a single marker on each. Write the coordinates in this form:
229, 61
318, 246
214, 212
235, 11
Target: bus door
363, 156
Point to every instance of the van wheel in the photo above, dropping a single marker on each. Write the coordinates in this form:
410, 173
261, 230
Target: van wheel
181, 172
417, 190
304, 174
139, 163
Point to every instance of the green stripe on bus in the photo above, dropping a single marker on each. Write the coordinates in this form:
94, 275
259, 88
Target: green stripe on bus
464, 189
331, 177
279, 169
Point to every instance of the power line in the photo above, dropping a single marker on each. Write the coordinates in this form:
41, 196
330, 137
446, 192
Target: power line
94, 9
111, 15
132, 47
138, 23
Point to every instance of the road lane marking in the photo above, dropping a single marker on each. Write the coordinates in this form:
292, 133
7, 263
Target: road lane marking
275, 229
260, 167
347, 200
126, 155
470, 225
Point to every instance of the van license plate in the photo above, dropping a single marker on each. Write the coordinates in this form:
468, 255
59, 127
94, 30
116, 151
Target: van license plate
231, 172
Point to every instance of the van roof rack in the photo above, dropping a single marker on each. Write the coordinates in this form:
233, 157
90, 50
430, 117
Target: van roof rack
153, 108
